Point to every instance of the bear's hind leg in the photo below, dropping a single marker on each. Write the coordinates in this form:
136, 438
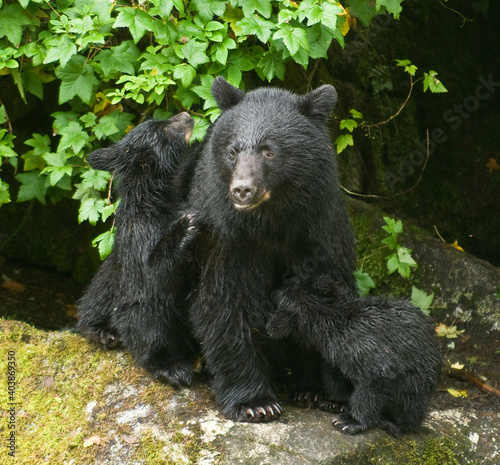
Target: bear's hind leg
365, 410
158, 340
96, 307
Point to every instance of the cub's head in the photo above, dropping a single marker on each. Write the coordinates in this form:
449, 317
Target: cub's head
153, 148
271, 145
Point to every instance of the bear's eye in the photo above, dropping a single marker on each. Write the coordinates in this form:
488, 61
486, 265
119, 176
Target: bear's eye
267, 153
233, 153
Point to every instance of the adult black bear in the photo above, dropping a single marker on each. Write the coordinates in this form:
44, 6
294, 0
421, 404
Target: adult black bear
133, 300
266, 192
382, 358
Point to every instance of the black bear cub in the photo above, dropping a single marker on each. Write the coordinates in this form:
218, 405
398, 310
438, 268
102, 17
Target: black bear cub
382, 361
133, 300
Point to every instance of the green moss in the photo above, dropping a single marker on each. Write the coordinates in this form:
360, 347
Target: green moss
367, 221
423, 450
57, 374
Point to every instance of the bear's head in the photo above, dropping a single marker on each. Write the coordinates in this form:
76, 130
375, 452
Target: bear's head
151, 149
272, 146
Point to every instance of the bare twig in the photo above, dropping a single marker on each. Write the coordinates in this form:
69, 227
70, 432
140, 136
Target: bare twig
399, 193
399, 111
471, 379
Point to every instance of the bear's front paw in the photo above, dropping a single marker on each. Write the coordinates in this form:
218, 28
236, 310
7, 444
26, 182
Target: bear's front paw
279, 325
346, 424
256, 414
177, 374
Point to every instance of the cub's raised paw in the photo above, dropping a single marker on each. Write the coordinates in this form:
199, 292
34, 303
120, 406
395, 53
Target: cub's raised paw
178, 375
256, 414
346, 424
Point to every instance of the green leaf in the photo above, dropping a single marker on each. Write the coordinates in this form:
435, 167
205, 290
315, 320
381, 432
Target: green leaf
207, 9
106, 127
60, 48
364, 282
255, 25
12, 22
120, 59
264, 7
392, 6
295, 38
4, 192
271, 65
90, 209
348, 124
391, 241
105, 242
421, 300
363, 10
33, 186
356, 114
78, 79
136, 20
432, 83
392, 226
186, 73
330, 14
194, 52
3, 115
73, 136
392, 263
409, 67
96, 179
343, 141
404, 255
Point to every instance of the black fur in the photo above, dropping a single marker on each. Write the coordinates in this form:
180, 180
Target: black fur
266, 192
133, 299
382, 358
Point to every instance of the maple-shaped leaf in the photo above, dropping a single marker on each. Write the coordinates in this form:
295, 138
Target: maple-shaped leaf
255, 25
12, 22
264, 7
137, 21
77, 79
432, 83
392, 6
32, 187
492, 165
73, 136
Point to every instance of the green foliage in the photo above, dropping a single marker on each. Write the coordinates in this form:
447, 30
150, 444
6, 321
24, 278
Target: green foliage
151, 57
421, 299
400, 260
364, 281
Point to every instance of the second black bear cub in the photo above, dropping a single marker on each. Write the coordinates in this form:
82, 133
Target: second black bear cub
133, 300
382, 361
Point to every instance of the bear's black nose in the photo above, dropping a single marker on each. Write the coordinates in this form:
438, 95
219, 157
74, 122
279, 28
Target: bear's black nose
243, 191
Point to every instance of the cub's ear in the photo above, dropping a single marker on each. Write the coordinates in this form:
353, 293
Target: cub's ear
319, 103
102, 159
225, 94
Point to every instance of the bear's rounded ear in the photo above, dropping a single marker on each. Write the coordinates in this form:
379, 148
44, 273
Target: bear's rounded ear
181, 123
319, 103
102, 159
225, 94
